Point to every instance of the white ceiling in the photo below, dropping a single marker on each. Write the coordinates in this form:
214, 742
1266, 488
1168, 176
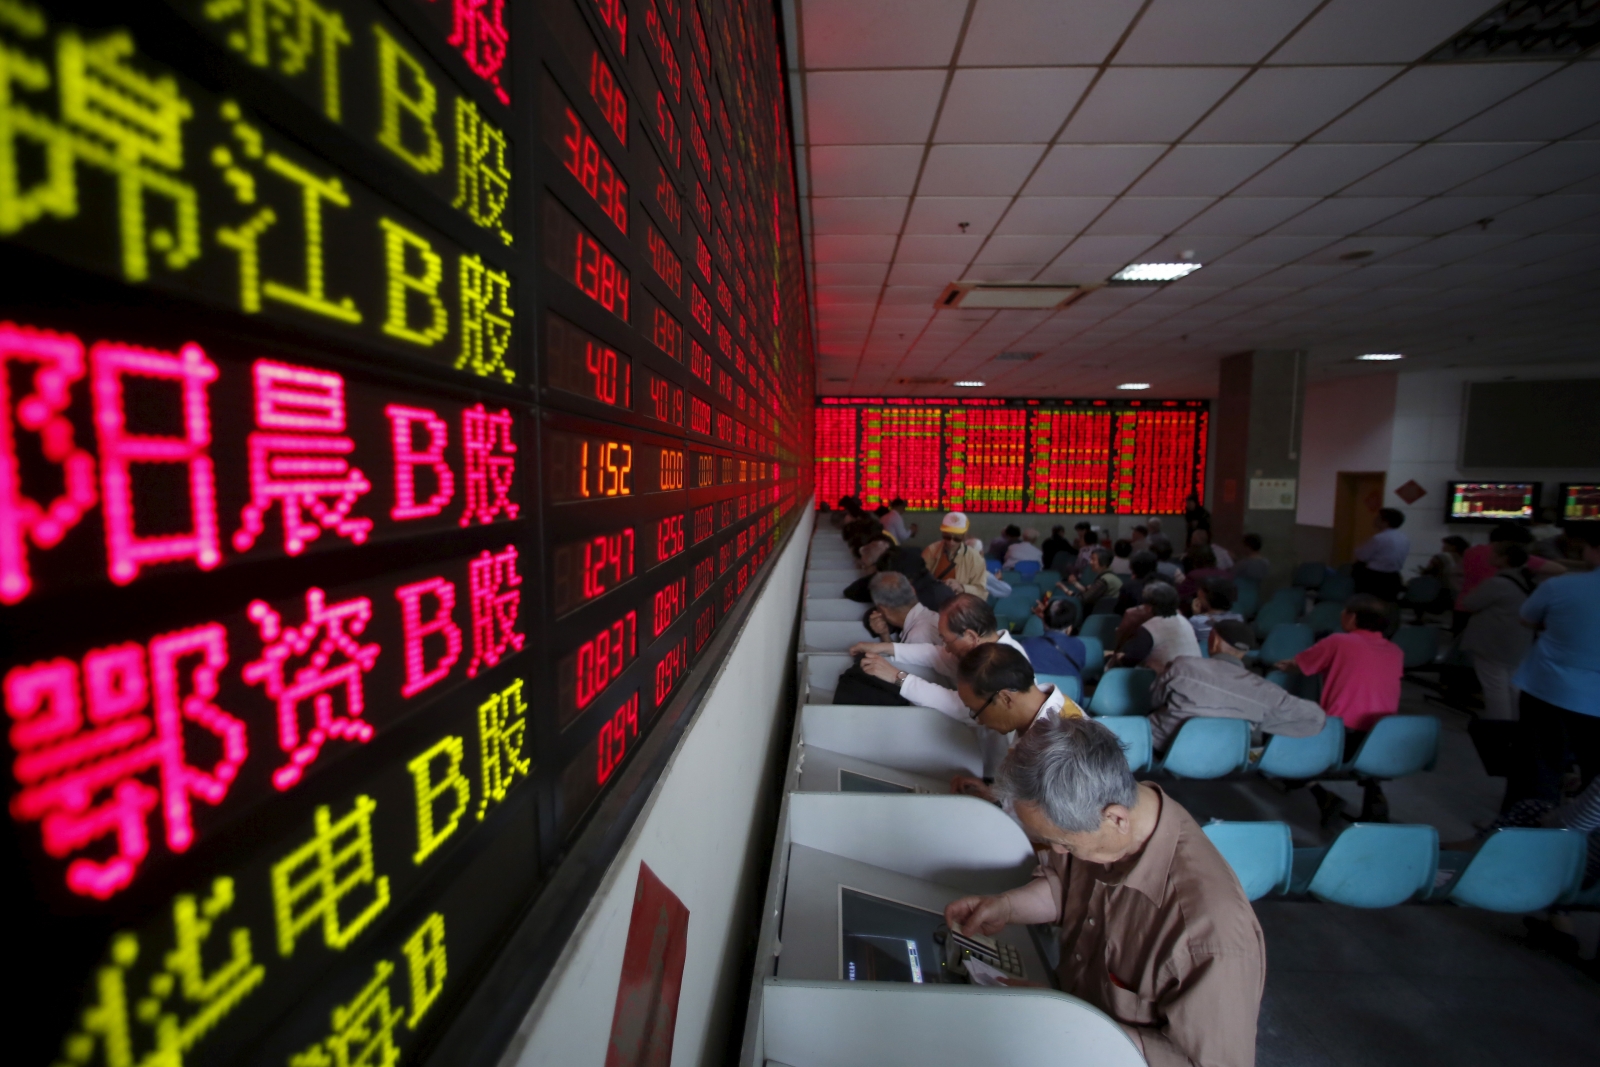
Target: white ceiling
1267, 138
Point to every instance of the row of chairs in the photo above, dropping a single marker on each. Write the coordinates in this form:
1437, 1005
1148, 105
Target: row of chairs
1380, 865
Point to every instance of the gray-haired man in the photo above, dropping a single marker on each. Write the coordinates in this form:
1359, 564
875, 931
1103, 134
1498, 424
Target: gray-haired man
1155, 930
897, 615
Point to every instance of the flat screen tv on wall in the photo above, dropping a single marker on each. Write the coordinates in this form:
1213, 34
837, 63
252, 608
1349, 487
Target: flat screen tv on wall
1532, 424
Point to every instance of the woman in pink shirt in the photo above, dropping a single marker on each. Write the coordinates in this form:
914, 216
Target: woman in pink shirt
1360, 671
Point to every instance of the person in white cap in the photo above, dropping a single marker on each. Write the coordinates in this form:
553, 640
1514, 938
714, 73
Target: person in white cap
951, 561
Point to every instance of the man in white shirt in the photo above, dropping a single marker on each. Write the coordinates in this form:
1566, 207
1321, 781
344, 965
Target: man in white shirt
1026, 550
1379, 560
997, 684
895, 521
897, 614
964, 623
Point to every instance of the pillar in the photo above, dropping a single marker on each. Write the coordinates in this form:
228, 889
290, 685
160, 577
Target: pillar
1260, 404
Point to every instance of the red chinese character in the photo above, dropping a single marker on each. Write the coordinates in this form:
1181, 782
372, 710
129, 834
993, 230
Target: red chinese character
481, 36
326, 637
304, 471
496, 598
58, 363
491, 466
121, 450
82, 782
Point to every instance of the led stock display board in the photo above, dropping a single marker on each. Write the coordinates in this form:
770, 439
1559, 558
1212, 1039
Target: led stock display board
398, 398
1085, 457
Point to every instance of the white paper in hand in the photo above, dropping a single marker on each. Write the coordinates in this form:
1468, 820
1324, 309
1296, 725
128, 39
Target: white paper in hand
981, 973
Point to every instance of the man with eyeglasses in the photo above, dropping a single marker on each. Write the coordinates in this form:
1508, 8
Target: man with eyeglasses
952, 561
997, 684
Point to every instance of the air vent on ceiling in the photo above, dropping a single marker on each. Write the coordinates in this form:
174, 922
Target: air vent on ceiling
1525, 29
1017, 357
922, 381
1021, 295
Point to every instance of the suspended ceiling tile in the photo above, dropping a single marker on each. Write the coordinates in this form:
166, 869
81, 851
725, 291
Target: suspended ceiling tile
1276, 249
1559, 106
880, 33
1530, 251
1205, 170
1037, 250
849, 274
945, 214
941, 274
1300, 275
1045, 32
1140, 104
1345, 215
1425, 101
1051, 214
1092, 170
978, 170
1320, 170
1545, 213
1226, 275
864, 170
853, 248
1286, 104
872, 106
1435, 168
1451, 249
858, 214
1136, 215
1121, 250
1017, 105
1547, 170
1379, 31
1197, 247
1381, 247
938, 248
1246, 216
1069, 271
1241, 31
1444, 214
982, 271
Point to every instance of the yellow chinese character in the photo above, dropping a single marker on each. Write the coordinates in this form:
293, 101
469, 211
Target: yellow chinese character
362, 1031
108, 1025
485, 320
310, 884
483, 169
502, 730
286, 35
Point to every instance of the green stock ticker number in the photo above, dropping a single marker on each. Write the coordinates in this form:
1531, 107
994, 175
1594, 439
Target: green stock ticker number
115, 164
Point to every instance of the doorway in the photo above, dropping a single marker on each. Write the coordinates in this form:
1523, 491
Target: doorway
1357, 499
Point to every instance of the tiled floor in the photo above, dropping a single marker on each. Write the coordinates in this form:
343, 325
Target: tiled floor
1411, 986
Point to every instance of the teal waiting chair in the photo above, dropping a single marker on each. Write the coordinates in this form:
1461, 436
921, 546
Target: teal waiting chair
1010, 576
1208, 748
1011, 610
1370, 865
1032, 626
1326, 617
1285, 606
1123, 691
1047, 579
1027, 589
1260, 853
1397, 746
1063, 561
1419, 643
1517, 870
1281, 679
1285, 641
1249, 599
1134, 733
1094, 659
1337, 588
1310, 575
1304, 757
1102, 628
1028, 568
1070, 684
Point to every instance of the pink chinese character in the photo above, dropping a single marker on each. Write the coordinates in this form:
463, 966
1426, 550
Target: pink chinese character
402, 423
58, 363
480, 34
121, 449
496, 598
491, 465
304, 471
81, 782
326, 637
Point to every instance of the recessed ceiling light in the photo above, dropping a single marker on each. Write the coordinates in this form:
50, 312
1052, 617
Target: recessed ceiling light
1380, 357
1154, 273
967, 385
1134, 385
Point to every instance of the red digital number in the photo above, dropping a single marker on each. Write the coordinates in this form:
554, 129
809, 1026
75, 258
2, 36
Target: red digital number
667, 127
670, 601
611, 377
670, 670
603, 657
697, 142
702, 523
607, 562
704, 573
670, 537
615, 18
665, 261
594, 172
599, 276
667, 198
699, 362
702, 205
666, 333
666, 401
664, 52
612, 744
699, 416
702, 257
605, 91
704, 624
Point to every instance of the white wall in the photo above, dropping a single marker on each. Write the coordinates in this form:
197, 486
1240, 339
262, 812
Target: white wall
1349, 426
1428, 413
695, 833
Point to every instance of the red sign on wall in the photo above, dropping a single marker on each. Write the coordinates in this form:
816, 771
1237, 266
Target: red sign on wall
652, 976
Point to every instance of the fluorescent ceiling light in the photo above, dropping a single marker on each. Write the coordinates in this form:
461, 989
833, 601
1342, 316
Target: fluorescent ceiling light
1380, 357
1134, 385
967, 385
1154, 273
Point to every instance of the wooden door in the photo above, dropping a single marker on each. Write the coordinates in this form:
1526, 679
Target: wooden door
1359, 495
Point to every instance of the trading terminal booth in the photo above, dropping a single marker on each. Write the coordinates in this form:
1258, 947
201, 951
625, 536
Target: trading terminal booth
863, 749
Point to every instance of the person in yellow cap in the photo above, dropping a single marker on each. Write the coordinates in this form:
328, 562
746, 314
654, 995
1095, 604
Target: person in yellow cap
950, 560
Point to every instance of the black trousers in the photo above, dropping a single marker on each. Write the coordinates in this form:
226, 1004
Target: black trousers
1385, 585
1555, 738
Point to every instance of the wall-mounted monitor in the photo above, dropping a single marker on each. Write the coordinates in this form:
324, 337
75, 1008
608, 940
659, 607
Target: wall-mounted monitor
1491, 501
1579, 501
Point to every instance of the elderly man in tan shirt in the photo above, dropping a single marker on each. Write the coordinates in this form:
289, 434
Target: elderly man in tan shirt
1155, 930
